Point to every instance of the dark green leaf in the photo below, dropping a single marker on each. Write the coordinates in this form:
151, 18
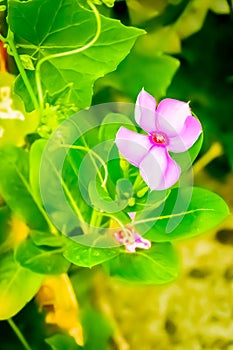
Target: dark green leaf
124, 190
5, 217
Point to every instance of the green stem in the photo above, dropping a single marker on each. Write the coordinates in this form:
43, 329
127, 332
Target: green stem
66, 53
19, 334
10, 41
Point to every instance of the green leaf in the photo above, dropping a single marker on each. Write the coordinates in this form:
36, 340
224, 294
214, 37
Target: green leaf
46, 29
35, 155
86, 256
138, 70
15, 188
62, 341
98, 330
41, 260
27, 62
111, 124
5, 217
157, 265
205, 210
17, 286
42, 238
101, 200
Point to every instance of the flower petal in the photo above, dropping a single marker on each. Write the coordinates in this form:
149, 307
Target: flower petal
132, 145
145, 111
158, 169
132, 214
171, 116
131, 247
141, 242
187, 137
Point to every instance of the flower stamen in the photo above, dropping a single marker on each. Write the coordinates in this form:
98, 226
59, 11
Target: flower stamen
159, 138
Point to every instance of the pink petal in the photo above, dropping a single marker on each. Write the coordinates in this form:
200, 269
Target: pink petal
171, 116
187, 137
158, 169
131, 247
132, 145
145, 111
132, 214
141, 242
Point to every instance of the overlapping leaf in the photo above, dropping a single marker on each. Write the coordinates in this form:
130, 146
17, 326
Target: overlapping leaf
46, 28
17, 286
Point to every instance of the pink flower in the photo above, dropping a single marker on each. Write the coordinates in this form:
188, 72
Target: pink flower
131, 239
170, 127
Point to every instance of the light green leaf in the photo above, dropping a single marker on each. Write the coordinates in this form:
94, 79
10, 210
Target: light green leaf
15, 188
86, 256
41, 238
109, 3
17, 286
205, 210
111, 124
43, 29
44, 260
27, 62
35, 155
157, 265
